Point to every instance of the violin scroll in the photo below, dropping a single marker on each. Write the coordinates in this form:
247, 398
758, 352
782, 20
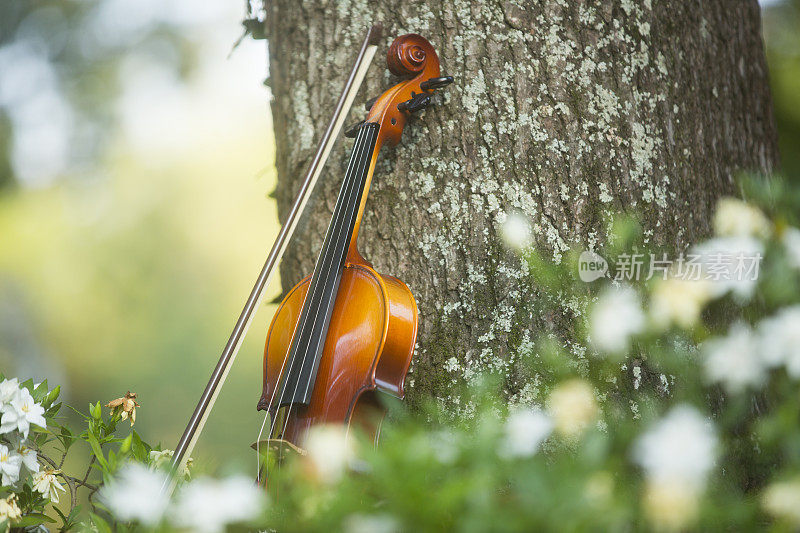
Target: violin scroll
409, 55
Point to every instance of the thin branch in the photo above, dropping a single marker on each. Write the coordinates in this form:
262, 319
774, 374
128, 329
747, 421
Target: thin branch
72, 482
88, 469
68, 479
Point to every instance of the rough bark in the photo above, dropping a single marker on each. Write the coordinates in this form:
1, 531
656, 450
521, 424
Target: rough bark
563, 110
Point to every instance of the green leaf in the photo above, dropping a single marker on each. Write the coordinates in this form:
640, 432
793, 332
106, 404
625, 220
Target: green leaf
140, 451
38, 429
51, 396
40, 392
28, 384
62, 516
52, 411
98, 452
73, 515
125, 447
33, 519
66, 437
101, 525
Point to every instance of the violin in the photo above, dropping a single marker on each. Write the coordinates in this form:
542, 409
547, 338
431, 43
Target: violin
197, 421
346, 331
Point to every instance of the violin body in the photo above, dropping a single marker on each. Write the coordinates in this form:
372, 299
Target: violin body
346, 331
369, 346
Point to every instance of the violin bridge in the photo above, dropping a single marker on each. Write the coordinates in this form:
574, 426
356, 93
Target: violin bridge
273, 446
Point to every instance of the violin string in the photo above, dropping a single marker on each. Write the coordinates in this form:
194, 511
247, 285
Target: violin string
358, 157
314, 289
358, 191
268, 411
292, 353
363, 157
326, 271
272, 400
258, 450
291, 356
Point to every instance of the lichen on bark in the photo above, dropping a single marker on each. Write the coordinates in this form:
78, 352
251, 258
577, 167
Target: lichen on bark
564, 110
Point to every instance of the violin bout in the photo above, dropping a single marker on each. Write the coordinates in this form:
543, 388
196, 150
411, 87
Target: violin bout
369, 346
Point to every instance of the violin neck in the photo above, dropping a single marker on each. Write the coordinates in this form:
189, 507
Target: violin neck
312, 327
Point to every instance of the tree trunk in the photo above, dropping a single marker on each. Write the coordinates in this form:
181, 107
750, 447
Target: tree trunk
563, 110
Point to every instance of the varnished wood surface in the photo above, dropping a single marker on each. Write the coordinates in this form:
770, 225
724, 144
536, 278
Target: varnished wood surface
373, 326
369, 346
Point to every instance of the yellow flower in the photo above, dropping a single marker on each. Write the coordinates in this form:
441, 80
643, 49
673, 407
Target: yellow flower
670, 505
781, 500
679, 301
127, 404
572, 407
9, 510
735, 218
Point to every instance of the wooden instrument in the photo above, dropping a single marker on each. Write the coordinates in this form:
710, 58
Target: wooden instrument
346, 331
197, 421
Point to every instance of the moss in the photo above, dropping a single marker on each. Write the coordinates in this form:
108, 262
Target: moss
563, 111
430, 381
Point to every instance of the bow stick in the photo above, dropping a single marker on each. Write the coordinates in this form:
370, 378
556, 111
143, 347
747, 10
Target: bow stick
198, 419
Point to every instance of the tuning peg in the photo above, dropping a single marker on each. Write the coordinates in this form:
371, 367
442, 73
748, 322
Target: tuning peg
369, 103
436, 83
352, 131
417, 102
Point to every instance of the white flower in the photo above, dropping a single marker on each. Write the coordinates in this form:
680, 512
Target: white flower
9, 510
678, 450
678, 301
525, 431
731, 264
159, 458
791, 241
329, 450
28, 455
162, 458
8, 388
45, 482
445, 446
615, 317
781, 500
19, 413
375, 523
572, 406
516, 231
780, 340
136, 494
734, 360
208, 505
10, 463
735, 218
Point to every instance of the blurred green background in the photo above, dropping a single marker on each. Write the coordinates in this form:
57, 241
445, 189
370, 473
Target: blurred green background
136, 158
